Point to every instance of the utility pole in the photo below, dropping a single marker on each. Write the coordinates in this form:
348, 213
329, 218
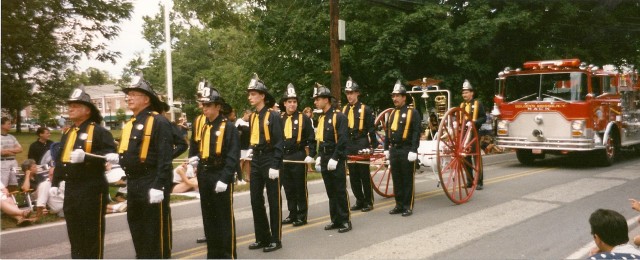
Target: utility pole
167, 37
335, 49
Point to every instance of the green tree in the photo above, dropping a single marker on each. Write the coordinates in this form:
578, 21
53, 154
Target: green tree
41, 39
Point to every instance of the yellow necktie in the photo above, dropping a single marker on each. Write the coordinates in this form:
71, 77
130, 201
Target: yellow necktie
68, 146
320, 129
351, 119
394, 125
255, 129
126, 134
288, 128
205, 144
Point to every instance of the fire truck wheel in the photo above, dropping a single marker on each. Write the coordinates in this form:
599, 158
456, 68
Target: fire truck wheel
606, 156
525, 156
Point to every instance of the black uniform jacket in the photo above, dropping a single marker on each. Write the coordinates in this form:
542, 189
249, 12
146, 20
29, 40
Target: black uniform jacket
230, 152
308, 138
274, 125
368, 128
329, 136
92, 167
159, 156
413, 135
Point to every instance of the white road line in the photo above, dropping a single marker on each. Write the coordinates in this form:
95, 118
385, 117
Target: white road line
578, 190
429, 241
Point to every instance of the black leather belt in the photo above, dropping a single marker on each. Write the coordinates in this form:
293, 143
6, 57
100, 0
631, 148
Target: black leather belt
400, 145
7, 159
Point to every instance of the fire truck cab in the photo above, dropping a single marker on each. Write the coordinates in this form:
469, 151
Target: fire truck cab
565, 106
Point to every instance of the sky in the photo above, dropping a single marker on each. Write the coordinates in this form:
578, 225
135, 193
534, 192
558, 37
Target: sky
130, 40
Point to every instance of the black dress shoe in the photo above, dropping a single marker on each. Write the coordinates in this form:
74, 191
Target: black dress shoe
407, 213
272, 247
298, 223
332, 226
201, 240
288, 220
367, 208
479, 187
345, 228
356, 207
396, 210
258, 245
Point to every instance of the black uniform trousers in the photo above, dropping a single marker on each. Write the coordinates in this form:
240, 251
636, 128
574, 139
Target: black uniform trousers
359, 174
335, 182
217, 214
403, 175
84, 208
294, 181
268, 230
469, 166
150, 224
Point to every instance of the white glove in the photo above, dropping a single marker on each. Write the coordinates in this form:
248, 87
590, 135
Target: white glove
77, 156
412, 156
155, 196
193, 159
274, 174
468, 124
112, 158
249, 153
332, 164
318, 167
309, 159
221, 187
386, 154
54, 192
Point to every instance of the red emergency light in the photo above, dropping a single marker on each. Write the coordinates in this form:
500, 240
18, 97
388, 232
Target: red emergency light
551, 64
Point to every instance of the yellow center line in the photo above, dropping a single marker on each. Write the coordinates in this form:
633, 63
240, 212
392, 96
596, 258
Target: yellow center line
249, 238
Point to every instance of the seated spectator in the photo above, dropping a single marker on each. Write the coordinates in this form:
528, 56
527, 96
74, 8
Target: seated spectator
31, 180
48, 203
38, 148
184, 179
611, 236
9, 207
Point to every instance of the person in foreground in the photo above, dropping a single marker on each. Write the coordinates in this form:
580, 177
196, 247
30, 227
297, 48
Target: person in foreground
611, 236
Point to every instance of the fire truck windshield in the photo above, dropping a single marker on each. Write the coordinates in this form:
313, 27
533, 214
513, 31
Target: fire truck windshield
556, 87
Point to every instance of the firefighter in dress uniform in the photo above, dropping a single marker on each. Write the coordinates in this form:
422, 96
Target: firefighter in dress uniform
331, 135
475, 109
298, 134
196, 134
146, 150
219, 155
401, 149
87, 190
362, 140
266, 136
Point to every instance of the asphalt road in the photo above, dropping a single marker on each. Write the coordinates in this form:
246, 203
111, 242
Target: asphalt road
524, 212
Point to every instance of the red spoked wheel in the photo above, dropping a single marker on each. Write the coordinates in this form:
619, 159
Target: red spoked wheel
379, 168
458, 155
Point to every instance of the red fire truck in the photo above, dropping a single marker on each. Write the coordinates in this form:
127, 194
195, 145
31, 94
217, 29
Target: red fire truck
565, 106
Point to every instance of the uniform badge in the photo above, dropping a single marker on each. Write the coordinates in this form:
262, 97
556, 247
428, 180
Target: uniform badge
83, 136
267, 122
139, 126
404, 115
